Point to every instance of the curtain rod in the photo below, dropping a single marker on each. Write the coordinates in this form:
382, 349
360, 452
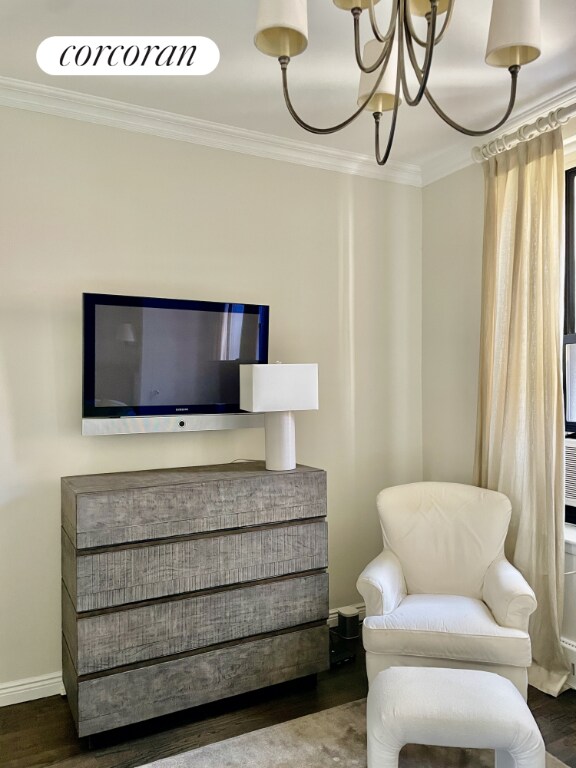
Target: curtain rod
553, 120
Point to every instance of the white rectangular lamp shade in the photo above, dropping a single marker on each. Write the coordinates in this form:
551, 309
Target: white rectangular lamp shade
279, 387
278, 390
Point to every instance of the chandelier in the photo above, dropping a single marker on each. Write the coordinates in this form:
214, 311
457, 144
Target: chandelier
513, 40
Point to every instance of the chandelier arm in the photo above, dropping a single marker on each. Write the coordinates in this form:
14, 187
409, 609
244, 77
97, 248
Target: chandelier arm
384, 56
514, 70
438, 38
424, 73
284, 61
382, 160
376, 29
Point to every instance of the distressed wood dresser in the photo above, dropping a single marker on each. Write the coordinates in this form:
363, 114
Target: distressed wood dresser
182, 586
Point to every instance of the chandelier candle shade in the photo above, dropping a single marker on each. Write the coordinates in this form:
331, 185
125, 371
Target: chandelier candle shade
382, 98
389, 57
277, 390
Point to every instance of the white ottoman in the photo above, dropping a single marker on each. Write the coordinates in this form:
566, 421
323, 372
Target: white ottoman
450, 708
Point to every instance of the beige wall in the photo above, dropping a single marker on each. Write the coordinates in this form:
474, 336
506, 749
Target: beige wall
89, 208
451, 276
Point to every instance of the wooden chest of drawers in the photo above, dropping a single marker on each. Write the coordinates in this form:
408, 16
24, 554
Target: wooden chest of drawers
184, 586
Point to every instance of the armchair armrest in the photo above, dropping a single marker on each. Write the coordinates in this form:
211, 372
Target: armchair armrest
508, 595
382, 584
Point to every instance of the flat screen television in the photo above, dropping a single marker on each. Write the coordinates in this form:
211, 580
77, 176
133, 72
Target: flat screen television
153, 364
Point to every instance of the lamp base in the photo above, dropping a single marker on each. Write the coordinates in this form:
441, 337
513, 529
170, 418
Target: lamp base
280, 440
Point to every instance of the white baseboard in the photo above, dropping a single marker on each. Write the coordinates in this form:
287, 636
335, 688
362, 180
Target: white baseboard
31, 688
570, 650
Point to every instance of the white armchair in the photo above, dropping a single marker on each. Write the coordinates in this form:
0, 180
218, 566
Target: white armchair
442, 593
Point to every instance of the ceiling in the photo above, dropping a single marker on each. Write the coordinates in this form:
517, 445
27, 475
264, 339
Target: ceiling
244, 91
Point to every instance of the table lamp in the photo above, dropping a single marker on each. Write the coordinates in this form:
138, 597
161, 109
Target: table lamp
277, 390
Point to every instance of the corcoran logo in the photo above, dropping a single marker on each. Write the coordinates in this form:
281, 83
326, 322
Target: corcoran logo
127, 56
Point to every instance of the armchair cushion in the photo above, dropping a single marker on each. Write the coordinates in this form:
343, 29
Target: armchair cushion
508, 595
446, 627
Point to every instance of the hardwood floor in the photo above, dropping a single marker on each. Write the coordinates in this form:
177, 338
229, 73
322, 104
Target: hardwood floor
41, 733
556, 719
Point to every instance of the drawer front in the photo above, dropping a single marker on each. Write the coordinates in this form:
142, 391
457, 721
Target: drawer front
121, 576
162, 629
142, 514
139, 694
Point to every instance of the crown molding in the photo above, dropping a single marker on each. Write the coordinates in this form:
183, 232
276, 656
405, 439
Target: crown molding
445, 163
35, 97
21, 94
449, 161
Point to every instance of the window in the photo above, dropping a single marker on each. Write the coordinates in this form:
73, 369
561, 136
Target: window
570, 285
570, 345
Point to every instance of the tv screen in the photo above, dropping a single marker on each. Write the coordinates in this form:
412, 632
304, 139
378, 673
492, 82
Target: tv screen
151, 356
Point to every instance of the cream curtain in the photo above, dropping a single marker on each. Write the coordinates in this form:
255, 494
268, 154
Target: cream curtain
520, 427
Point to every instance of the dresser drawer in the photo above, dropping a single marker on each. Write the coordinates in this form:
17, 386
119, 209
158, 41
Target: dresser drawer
103, 510
153, 630
132, 574
116, 699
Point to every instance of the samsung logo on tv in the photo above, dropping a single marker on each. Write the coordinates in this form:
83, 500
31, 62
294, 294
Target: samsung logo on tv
181, 409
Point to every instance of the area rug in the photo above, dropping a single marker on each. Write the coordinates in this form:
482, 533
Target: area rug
333, 738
